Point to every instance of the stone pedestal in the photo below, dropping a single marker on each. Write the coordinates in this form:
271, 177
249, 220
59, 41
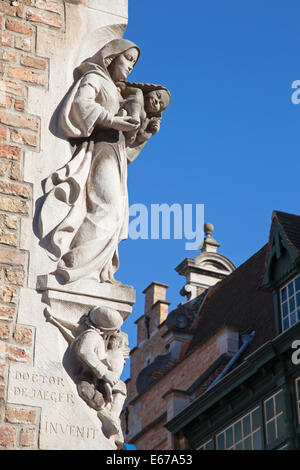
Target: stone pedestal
40, 382
71, 301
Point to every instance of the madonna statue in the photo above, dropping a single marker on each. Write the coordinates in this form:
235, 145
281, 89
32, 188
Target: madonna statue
85, 212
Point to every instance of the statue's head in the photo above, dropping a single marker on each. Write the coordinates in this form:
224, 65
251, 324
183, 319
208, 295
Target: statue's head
121, 66
156, 101
106, 319
118, 57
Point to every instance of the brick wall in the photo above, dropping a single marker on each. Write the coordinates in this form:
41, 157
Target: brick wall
151, 405
20, 70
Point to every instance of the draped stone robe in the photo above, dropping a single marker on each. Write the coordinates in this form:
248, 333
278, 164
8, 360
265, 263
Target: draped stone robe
85, 212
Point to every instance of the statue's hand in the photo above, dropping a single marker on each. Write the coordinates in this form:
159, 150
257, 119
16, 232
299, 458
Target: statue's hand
111, 378
154, 126
125, 123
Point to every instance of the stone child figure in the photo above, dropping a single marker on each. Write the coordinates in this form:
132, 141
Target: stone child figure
144, 103
101, 350
117, 352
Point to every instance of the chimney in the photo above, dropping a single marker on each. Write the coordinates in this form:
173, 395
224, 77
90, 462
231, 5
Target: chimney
156, 310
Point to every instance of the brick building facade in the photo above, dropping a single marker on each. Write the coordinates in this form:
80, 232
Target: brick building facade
216, 372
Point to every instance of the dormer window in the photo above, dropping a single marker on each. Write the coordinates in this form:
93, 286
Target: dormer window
290, 303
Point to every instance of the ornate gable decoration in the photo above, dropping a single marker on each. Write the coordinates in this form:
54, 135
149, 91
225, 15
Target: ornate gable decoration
282, 255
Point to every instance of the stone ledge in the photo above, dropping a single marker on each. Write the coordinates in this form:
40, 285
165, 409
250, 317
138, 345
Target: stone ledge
86, 293
115, 7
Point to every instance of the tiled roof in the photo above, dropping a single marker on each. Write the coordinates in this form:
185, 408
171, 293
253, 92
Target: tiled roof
238, 301
290, 225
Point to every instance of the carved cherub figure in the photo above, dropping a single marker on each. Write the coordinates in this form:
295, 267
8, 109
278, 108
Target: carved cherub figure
145, 103
99, 349
116, 353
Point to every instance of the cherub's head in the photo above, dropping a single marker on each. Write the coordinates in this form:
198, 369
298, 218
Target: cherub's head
118, 340
156, 101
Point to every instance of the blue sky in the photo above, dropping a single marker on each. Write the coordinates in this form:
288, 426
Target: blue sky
230, 137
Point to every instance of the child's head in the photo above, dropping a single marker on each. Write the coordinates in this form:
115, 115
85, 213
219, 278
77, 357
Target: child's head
156, 101
118, 340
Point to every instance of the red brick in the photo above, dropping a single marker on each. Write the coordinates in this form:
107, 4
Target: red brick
49, 19
7, 437
15, 172
6, 313
20, 416
27, 437
16, 354
2, 371
3, 133
34, 62
8, 56
26, 76
9, 295
13, 189
5, 101
18, 27
5, 39
19, 105
2, 68
17, 120
11, 10
12, 88
3, 168
11, 222
49, 5
12, 205
14, 276
22, 335
10, 256
8, 238
2, 392
23, 138
4, 331
10, 151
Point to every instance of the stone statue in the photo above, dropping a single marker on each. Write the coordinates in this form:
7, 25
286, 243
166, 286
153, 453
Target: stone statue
145, 103
98, 350
107, 121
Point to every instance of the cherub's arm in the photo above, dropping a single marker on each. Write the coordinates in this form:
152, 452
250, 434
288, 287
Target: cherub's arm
133, 100
150, 128
127, 91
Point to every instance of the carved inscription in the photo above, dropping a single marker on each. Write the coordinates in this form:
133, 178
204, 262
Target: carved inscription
34, 388
83, 432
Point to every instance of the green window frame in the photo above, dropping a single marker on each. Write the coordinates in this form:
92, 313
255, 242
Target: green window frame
289, 298
274, 416
243, 434
208, 445
297, 385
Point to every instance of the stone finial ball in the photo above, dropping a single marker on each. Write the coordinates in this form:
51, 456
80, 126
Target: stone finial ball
208, 229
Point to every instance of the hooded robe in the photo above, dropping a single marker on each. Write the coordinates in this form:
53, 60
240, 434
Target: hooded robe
85, 212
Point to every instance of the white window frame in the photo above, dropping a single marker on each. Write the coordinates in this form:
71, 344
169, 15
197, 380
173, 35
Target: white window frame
287, 301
